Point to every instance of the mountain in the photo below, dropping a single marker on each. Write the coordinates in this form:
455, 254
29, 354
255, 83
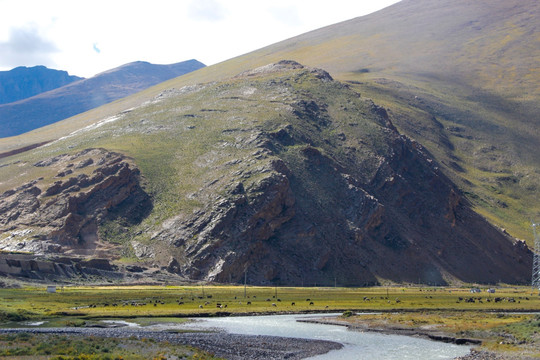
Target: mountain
396, 147
24, 82
459, 77
75, 98
280, 171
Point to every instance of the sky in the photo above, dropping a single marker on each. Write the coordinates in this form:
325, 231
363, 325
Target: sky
88, 37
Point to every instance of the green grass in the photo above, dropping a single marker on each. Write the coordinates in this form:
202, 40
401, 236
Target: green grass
503, 325
523, 330
72, 347
181, 301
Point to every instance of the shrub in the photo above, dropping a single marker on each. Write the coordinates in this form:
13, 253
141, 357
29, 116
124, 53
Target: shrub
19, 315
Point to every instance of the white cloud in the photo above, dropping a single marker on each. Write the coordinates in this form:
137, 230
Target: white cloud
206, 10
26, 46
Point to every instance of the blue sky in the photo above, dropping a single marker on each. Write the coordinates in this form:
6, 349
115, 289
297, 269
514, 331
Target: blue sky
87, 37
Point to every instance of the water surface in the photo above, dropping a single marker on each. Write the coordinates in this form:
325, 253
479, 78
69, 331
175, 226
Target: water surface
357, 345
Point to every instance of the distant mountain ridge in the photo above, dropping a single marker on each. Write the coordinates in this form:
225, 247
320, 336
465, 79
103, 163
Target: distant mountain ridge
23, 82
77, 97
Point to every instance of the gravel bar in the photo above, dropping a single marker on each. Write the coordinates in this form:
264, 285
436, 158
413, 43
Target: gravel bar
229, 346
487, 355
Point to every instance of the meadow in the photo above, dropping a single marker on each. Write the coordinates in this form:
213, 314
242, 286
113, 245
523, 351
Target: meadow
203, 300
505, 321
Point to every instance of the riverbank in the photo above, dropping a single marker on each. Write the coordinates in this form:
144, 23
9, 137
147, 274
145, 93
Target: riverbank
390, 329
492, 336
223, 345
488, 355
506, 321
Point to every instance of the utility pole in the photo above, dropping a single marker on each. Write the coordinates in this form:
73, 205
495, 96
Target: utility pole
535, 281
245, 281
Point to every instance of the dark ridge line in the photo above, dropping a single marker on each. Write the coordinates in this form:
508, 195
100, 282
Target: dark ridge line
23, 149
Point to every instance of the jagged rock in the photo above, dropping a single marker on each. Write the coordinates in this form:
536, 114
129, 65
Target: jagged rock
135, 268
56, 268
142, 251
101, 264
173, 266
69, 212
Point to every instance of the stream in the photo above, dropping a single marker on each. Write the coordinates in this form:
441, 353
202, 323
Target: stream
357, 345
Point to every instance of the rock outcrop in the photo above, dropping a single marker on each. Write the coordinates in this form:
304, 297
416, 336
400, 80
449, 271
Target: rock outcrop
63, 212
366, 205
224, 236
63, 269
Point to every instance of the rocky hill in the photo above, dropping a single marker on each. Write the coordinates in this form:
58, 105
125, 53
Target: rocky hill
409, 158
457, 76
281, 172
80, 96
24, 82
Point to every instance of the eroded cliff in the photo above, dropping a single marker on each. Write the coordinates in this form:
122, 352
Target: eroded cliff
61, 211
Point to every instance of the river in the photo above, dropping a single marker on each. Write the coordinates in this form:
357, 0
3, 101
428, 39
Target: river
357, 345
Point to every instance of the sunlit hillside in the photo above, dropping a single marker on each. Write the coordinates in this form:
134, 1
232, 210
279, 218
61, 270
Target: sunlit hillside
459, 78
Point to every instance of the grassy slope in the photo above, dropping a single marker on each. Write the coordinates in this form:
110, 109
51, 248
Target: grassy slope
471, 65
191, 146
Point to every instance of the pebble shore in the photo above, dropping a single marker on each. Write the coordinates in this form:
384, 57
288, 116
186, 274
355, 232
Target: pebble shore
487, 355
228, 346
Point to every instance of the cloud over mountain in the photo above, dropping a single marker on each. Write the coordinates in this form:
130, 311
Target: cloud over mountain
26, 46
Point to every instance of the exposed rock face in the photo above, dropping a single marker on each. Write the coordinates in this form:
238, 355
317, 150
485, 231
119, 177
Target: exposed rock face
223, 236
367, 205
56, 269
51, 215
